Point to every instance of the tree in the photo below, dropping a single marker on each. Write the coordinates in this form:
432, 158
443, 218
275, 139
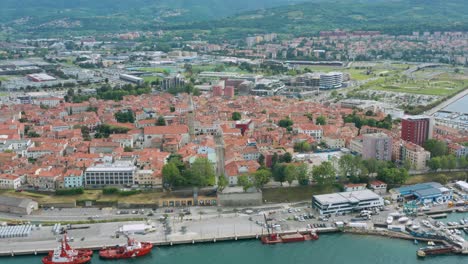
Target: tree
161, 121
287, 158
407, 164
261, 160
302, 174
321, 120
302, 146
451, 162
393, 176
434, 163
274, 159
278, 173
285, 122
290, 173
348, 165
196, 92
171, 175
441, 178
128, 149
261, 177
245, 182
201, 173
371, 165
222, 182
33, 134
324, 174
236, 116
125, 117
463, 162
444, 162
436, 147
219, 68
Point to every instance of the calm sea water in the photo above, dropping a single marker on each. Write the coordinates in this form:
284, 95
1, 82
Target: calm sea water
329, 249
459, 105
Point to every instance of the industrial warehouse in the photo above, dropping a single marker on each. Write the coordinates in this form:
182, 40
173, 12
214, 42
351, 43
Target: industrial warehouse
423, 193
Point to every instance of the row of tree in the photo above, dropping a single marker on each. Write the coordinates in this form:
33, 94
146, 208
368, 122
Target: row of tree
447, 162
178, 174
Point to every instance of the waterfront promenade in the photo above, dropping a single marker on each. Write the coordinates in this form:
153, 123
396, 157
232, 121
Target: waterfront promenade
447, 102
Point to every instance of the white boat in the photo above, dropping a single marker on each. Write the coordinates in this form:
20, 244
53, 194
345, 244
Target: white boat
403, 219
389, 219
462, 222
426, 223
415, 226
409, 223
394, 214
431, 243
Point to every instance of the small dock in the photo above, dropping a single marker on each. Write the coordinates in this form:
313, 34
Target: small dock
438, 216
443, 211
457, 226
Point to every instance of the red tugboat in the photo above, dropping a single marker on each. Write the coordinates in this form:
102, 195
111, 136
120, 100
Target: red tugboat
130, 250
73, 252
273, 238
60, 256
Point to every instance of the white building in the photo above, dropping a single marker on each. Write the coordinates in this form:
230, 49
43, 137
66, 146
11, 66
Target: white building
346, 202
331, 80
8, 181
110, 174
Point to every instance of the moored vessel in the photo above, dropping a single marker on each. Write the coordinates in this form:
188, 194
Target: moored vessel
60, 256
434, 250
274, 238
389, 220
131, 249
70, 251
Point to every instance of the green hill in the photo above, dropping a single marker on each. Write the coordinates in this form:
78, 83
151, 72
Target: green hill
393, 16
226, 19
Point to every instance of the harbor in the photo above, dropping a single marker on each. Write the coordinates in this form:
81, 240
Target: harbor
354, 249
212, 229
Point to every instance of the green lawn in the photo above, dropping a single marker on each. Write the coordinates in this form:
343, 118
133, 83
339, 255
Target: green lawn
155, 70
439, 86
96, 195
293, 194
151, 78
3, 78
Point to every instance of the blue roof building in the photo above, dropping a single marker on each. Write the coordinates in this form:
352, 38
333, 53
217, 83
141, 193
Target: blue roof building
423, 192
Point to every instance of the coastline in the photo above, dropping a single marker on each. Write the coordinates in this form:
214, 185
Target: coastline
366, 232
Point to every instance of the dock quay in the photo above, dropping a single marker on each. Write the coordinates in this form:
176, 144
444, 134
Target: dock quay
163, 243
443, 211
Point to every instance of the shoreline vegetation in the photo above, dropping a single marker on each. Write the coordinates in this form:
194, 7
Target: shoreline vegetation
111, 197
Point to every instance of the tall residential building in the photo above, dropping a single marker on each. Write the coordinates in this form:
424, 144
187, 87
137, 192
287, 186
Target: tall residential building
377, 146
416, 155
331, 80
417, 129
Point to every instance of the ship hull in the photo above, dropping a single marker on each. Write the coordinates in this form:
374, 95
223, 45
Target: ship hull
79, 260
79, 252
277, 239
118, 253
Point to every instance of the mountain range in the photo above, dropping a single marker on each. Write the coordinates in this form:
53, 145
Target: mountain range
227, 18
